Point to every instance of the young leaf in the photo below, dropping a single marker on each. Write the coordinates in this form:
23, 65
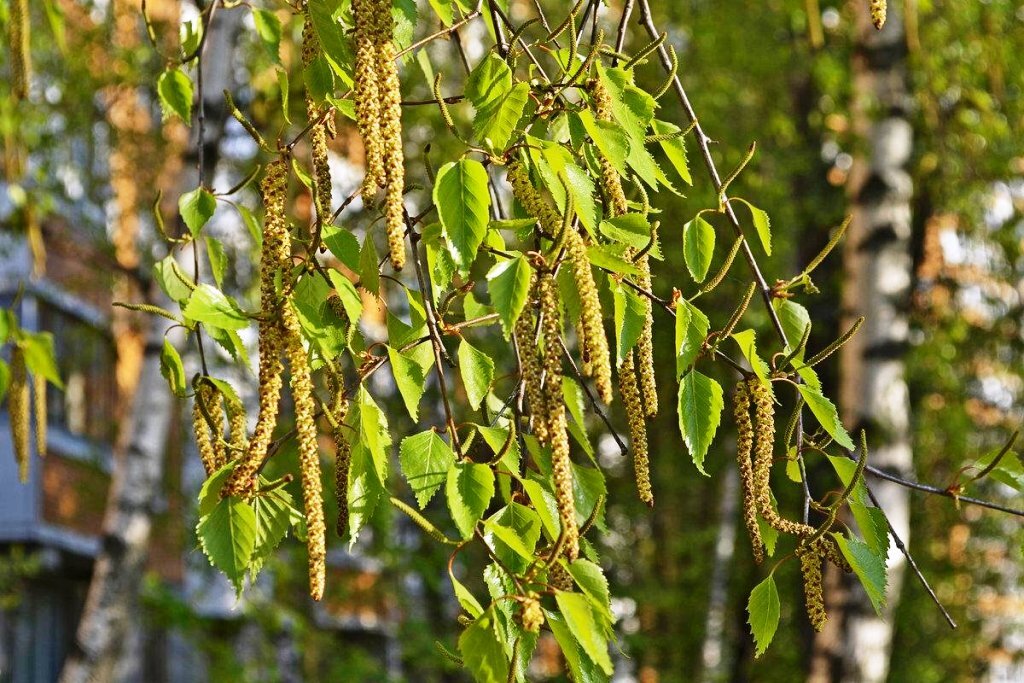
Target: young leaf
579, 617
196, 209
462, 200
268, 28
172, 369
698, 247
425, 459
700, 410
482, 651
763, 609
218, 259
868, 566
762, 224
827, 415
228, 537
477, 370
747, 341
631, 229
209, 305
274, 513
509, 286
469, 489
175, 91
410, 378
630, 314
692, 328
675, 149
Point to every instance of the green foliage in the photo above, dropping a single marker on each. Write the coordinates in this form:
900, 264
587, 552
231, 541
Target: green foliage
763, 609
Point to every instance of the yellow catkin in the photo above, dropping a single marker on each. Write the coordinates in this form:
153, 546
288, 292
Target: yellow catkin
275, 258
211, 451
559, 578
810, 568
830, 548
391, 129
309, 451
18, 35
744, 448
39, 410
645, 345
342, 466
18, 411
532, 615
318, 133
366, 91
530, 369
592, 319
554, 406
878, 11
764, 452
238, 425
637, 428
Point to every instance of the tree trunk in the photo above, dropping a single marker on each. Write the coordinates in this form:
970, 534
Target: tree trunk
111, 605
878, 267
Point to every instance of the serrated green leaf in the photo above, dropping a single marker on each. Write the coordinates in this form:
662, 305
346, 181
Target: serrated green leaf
700, 411
632, 229
610, 138
764, 610
579, 617
746, 340
210, 306
342, 244
409, 377
218, 259
462, 200
826, 414
762, 224
369, 273
482, 651
274, 513
591, 580
868, 566
329, 33
698, 247
514, 528
197, 207
227, 536
175, 90
630, 315
509, 287
268, 28
582, 668
39, 356
469, 488
692, 328
675, 149
477, 370
544, 503
425, 459
496, 120
172, 369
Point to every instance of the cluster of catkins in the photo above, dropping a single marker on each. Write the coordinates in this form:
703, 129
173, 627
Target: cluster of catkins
21, 402
378, 101
755, 447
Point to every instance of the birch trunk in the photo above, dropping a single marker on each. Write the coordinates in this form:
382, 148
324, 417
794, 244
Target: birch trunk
873, 395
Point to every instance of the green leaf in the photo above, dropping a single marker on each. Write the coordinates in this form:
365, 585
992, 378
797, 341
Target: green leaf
579, 617
868, 566
343, 245
630, 314
466, 599
373, 431
172, 369
496, 120
608, 257
591, 580
39, 356
544, 502
700, 412
477, 371
175, 91
692, 328
581, 667
274, 513
425, 459
469, 489
482, 651
410, 378
443, 10
763, 609
228, 537
462, 200
675, 149
698, 247
329, 33
218, 259
369, 273
196, 209
514, 528
5, 378
268, 28
509, 287
632, 229
747, 342
762, 224
209, 305
827, 415
611, 140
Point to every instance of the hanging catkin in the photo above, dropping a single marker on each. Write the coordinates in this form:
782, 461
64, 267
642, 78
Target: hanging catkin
342, 451
744, 448
391, 128
810, 568
764, 451
274, 258
637, 428
366, 91
18, 411
309, 450
18, 37
554, 407
211, 451
39, 412
878, 11
530, 367
317, 115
